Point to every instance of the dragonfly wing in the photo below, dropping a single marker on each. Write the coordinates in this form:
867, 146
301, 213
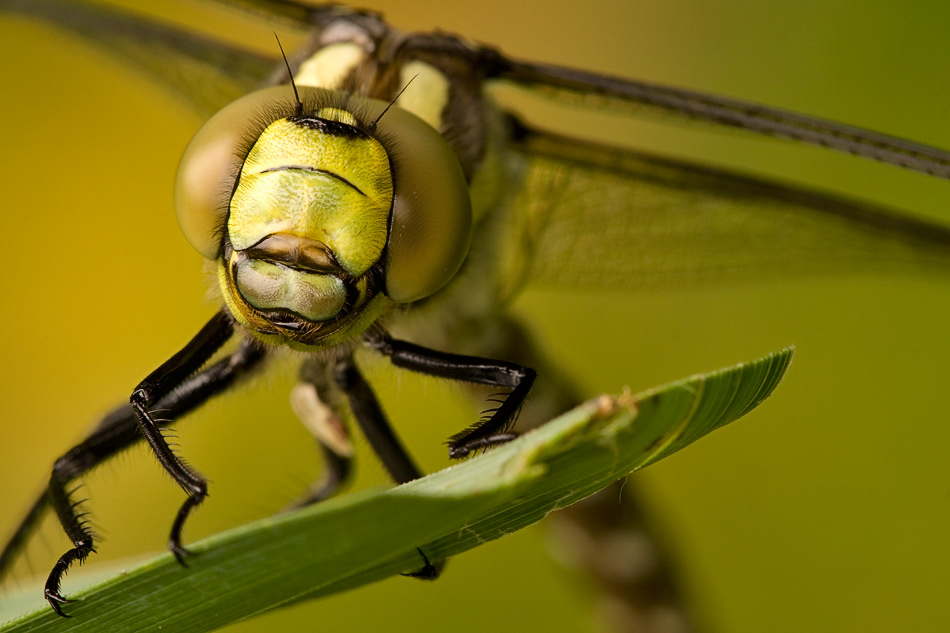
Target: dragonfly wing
605, 92
294, 14
594, 214
205, 73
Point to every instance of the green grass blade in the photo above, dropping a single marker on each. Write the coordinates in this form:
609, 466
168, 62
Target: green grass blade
365, 537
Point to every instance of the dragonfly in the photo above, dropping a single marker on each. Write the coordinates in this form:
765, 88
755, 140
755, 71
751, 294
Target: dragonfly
145, 370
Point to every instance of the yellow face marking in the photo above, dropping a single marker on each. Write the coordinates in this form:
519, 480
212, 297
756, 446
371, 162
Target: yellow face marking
336, 189
329, 66
428, 93
338, 115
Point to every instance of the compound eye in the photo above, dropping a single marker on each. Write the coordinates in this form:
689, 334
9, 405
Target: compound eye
212, 162
432, 210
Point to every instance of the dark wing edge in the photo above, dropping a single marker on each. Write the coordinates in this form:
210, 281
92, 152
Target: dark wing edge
601, 216
288, 12
594, 90
204, 73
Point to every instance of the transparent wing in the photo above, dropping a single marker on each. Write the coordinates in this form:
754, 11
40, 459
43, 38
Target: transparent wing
619, 218
294, 14
604, 92
205, 73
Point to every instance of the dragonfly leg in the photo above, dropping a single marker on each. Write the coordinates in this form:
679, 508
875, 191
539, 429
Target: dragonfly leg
613, 536
160, 383
318, 402
492, 430
372, 421
337, 475
428, 571
116, 432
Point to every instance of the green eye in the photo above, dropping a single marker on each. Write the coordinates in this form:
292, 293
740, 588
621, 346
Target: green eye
432, 212
210, 166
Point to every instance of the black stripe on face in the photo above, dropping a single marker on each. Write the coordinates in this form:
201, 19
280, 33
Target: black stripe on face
318, 171
334, 128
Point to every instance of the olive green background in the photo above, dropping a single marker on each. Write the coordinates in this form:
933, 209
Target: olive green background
825, 510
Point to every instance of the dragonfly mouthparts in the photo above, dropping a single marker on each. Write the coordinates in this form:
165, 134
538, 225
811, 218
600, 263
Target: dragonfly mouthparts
295, 251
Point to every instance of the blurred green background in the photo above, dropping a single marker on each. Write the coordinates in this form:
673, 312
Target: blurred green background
825, 510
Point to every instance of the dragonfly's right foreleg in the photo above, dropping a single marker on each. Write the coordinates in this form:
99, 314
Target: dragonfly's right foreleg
158, 385
116, 432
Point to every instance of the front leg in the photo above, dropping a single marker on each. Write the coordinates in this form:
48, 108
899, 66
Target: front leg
158, 384
492, 430
115, 433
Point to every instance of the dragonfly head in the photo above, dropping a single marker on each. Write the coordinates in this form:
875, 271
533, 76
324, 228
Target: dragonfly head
317, 220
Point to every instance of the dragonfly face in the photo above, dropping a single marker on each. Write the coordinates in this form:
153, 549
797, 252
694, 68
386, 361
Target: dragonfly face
843, 476
316, 230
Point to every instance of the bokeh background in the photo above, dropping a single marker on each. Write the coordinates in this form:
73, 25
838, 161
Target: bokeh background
825, 510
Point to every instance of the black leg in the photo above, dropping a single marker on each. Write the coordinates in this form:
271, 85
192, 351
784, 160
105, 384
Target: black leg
338, 474
495, 429
428, 571
160, 383
116, 432
386, 445
373, 423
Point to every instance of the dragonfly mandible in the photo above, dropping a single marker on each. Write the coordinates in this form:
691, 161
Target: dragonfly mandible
148, 303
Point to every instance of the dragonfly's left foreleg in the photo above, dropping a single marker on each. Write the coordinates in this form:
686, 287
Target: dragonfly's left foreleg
496, 428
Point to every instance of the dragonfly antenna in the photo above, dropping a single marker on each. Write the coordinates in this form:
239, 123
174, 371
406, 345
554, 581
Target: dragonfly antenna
298, 109
399, 94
